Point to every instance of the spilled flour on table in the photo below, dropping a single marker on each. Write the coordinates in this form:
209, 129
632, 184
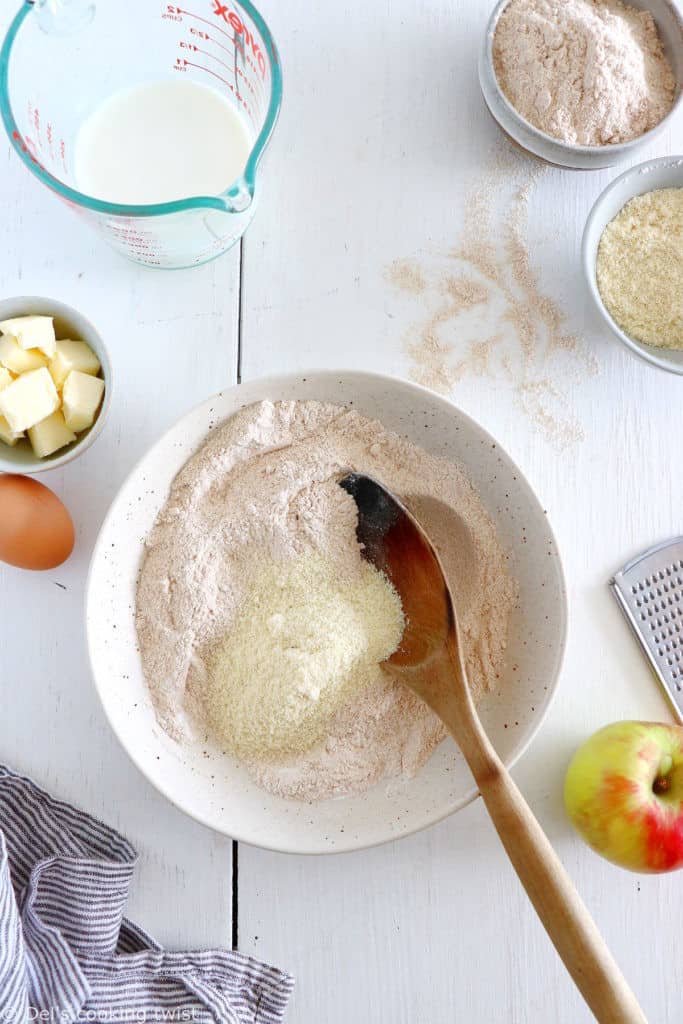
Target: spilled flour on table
483, 312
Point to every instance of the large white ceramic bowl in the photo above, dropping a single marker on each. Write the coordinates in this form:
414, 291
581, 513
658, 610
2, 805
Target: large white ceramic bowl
665, 172
216, 789
669, 21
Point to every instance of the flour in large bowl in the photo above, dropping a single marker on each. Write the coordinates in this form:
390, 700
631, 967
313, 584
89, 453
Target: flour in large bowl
263, 491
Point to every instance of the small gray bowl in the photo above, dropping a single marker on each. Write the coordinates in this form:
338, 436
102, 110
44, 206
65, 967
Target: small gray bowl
667, 172
69, 323
670, 26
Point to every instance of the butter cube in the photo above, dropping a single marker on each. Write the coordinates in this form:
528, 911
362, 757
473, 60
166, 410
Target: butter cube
29, 399
81, 399
7, 435
32, 332
17, 359
49, 435
72, 355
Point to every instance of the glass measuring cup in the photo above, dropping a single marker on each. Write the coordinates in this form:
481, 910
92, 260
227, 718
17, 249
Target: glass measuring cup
62, 58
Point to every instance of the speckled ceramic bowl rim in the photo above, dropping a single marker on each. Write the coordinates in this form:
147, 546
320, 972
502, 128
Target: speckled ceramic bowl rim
618, 149
636, 176
44, 306
268, 386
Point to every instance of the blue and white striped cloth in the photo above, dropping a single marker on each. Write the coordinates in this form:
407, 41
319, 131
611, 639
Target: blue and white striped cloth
68, 954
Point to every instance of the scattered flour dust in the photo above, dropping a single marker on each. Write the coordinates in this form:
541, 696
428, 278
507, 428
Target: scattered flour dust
262, 489
483, 313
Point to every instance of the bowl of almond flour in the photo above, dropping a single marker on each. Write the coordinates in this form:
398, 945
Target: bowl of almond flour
632, 252
583, 83
236, 634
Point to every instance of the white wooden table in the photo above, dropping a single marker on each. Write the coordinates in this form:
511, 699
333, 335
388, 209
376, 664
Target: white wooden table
382, 134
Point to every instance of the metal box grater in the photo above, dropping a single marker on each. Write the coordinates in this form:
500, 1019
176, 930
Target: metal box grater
650, 592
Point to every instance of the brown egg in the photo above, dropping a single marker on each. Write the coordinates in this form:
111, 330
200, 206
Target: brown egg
36, 531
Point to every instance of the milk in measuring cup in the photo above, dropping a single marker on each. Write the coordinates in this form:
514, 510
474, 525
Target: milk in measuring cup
161, 141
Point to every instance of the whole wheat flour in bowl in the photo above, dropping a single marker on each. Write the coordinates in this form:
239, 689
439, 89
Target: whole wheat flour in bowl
256, 502
586, 72
219, 789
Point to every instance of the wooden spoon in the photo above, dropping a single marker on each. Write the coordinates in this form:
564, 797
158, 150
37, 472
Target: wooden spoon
430, 662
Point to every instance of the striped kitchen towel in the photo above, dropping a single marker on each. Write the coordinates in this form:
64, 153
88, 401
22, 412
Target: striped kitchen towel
68, 954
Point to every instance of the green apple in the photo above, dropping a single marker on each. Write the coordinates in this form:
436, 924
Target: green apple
624, 794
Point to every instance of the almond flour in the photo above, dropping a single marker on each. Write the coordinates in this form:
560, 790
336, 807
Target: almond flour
639, 268
305, 642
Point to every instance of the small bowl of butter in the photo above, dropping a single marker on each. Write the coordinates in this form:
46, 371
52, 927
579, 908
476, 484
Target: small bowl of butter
55, 384
633, 260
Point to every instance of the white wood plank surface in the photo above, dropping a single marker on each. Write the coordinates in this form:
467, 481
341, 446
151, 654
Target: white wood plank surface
382, 141
172, 339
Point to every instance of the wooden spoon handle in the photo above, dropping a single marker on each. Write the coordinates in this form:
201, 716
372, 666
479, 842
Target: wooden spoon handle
549, 887
557, 903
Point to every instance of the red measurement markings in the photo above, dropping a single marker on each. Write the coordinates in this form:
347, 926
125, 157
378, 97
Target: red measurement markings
127, 228
223, 12
130, 238
257, 85
134, 243
172, 9
255, 93
251, 64
27, 146
237, 72
200, 67
198, 49
231, 51
230, 86
28, 141
205, 35
241, 30
37, 126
